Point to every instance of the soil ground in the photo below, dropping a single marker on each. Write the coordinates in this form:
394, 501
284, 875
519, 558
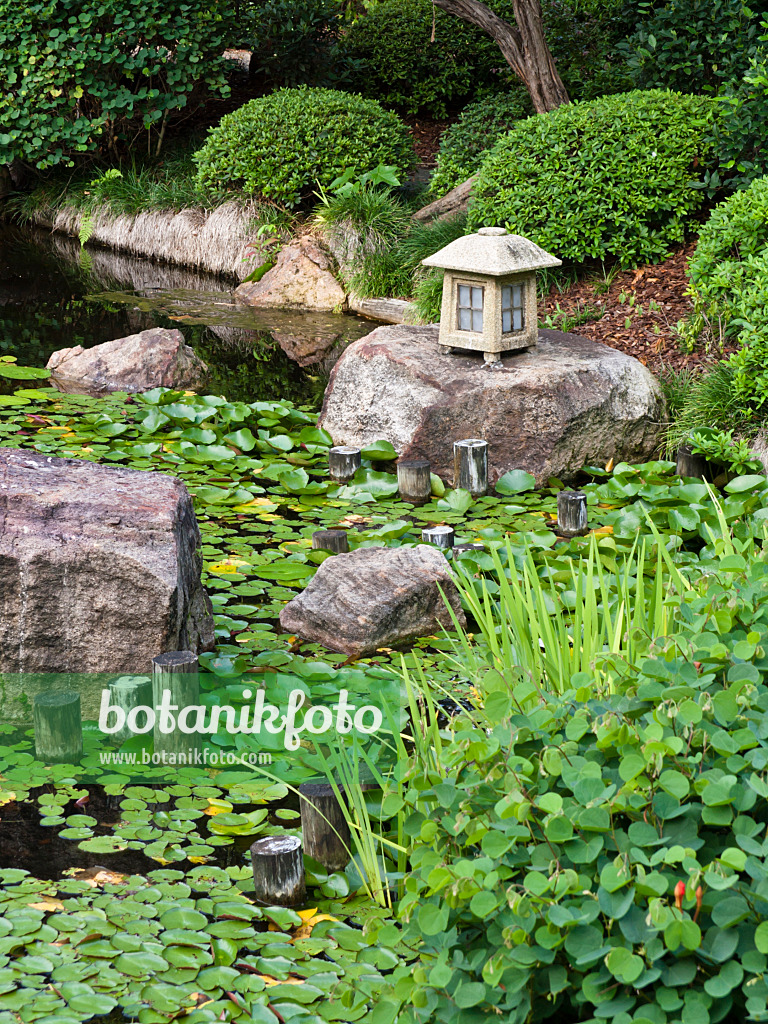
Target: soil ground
634, 311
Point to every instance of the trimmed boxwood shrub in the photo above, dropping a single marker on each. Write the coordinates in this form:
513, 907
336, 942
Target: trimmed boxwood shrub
607, 179
465, 143
729, 280
285, 145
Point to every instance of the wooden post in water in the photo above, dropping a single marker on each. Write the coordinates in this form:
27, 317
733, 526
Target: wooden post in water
323, 826
689, 464
176, 672
343, 462
58, 727
336, 541
414, 480
278, 871
127, 693
572, 513
461, 549
470, 465
440, 536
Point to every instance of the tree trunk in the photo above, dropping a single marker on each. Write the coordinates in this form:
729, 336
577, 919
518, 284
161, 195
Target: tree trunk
522, 44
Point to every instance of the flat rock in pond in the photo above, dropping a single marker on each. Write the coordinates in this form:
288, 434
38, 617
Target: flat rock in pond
154, 358
99, 567
302, 278
374, 597
566, 403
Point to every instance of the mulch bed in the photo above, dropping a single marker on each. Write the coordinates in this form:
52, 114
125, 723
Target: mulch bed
629, 323
426, 137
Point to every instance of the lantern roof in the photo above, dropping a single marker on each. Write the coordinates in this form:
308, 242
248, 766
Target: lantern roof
492, 251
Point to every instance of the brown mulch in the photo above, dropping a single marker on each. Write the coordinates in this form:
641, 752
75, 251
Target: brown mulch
426, 137
628, 322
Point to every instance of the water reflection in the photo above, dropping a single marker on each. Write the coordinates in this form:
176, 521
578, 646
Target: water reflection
53, 295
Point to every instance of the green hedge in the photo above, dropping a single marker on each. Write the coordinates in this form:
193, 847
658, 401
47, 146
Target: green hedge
729, 279
77, 76
464, 144
606, 179
285, 145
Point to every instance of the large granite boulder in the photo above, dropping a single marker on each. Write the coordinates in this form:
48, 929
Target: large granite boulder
550, 410
374, 597
99, 567
154, 358
302, 278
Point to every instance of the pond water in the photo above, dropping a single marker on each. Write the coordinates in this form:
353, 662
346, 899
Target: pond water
55, 295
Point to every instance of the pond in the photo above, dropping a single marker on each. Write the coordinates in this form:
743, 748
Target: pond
53, 295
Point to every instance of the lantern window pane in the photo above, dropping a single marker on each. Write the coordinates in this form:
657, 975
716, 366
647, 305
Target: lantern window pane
512, 318
469, 312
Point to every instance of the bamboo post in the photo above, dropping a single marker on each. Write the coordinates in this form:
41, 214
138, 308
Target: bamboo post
470, 465
336, 541
572, 513
323, 826
58, 727
127, 693
440, 536
176, 672
414, 480
689, 464
278, 871
343, 462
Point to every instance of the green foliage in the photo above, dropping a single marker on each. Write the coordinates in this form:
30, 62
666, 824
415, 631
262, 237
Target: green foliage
740, 134
598, 854
284, 145
464, 143
688, 45
80, 76
729, 283
720, 447
294, 41
554, 179
399, 63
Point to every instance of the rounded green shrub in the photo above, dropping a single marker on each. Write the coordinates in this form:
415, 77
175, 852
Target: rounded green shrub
611, 178
729, 281
283, 146
465, 143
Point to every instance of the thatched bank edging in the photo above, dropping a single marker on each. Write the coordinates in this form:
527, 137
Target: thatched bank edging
217, 241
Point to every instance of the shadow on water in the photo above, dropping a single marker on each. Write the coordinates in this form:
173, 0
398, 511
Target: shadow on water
54, 295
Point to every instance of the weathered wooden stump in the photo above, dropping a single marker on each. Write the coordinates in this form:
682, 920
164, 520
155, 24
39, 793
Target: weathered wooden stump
128, 693
414, 481
323, 826
343, 462
470, 465
278, 871
689, 464
336, 541
460, 549
440, 536
58, 727
572, 513
175, 671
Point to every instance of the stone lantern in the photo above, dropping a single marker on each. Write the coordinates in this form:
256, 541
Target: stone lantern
489, 292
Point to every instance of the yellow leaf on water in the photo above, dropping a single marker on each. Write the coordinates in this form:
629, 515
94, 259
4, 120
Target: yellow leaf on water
47, 904
307, 915
218, 807
231, 565
305, 930
198, 860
